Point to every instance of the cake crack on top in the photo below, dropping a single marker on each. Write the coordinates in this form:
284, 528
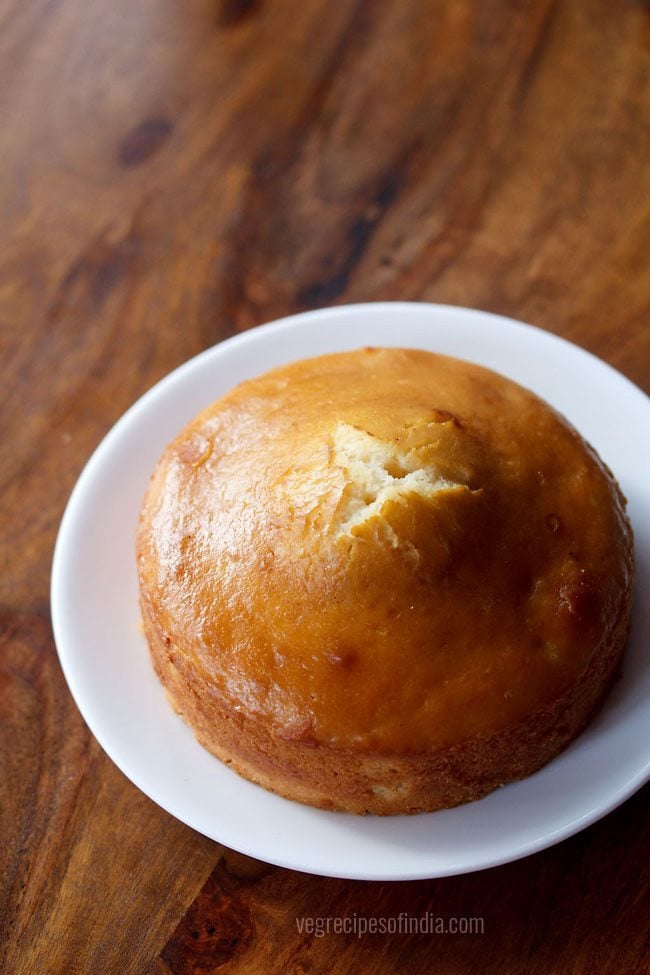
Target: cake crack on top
378, 471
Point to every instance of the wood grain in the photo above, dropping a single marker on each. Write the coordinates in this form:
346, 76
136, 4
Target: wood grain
174, 173
539, 914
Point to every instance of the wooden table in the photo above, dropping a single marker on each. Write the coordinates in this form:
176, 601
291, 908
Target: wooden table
175, 172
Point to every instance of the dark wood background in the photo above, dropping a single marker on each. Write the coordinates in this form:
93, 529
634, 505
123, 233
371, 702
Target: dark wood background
174, 171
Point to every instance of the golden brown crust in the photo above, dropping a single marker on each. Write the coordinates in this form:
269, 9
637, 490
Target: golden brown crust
384, 581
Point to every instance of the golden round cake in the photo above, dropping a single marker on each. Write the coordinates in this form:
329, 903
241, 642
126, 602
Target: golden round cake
384, 581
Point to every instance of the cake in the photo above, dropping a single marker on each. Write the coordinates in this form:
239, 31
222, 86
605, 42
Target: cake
384, 581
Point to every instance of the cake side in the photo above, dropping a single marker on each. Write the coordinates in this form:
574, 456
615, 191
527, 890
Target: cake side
296, 767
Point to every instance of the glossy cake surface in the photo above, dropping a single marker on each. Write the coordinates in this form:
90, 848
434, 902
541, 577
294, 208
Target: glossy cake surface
384, 580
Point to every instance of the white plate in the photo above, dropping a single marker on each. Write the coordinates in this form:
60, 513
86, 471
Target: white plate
105, 658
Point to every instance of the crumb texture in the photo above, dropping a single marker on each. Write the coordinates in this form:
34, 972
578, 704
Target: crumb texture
378, 472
